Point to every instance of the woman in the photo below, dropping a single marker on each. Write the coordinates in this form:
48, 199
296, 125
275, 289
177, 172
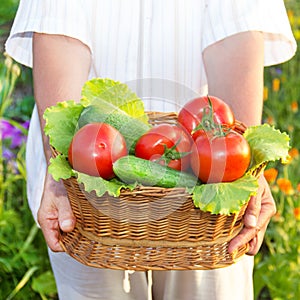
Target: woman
216, 47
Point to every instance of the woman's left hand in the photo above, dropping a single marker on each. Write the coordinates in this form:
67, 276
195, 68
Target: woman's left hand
260, 210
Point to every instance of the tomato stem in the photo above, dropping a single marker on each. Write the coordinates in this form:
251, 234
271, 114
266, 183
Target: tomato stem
208, 124
171, 154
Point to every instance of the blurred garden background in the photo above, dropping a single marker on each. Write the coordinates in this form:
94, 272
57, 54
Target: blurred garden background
24, 267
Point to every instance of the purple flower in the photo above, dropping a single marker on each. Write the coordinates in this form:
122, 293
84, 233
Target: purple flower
8, 131
278, 71
5, 129
7, 154
26, 124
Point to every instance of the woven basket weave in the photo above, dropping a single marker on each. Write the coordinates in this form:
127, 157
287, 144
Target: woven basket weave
149, 228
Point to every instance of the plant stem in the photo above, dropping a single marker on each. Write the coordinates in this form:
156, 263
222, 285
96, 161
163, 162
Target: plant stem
22, 282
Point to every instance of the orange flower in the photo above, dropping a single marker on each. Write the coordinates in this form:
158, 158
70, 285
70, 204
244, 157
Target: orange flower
294, 153
294, 106
270, 120
276, 84
285, 186
298, 187
297, 213
290, 128
270, 175
266, 93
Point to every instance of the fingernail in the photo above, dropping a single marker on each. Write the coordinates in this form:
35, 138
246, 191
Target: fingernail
66, 223
251, 220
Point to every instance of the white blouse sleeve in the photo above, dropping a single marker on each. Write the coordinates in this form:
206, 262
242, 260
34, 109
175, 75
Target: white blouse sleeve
47, 16
227, 17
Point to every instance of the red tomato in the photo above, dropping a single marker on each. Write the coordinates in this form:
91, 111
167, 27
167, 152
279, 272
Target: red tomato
197, 111
167, 144
220, 158
94, 148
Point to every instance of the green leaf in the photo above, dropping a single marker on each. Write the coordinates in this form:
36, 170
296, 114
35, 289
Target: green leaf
60, 168
267, 144
225, 197
116, 95
44, 284
101, 186
61, 121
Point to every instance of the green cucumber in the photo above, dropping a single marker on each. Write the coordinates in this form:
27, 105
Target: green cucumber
131, 128
132, 169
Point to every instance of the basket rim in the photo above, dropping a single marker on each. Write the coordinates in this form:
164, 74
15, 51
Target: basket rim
201, 257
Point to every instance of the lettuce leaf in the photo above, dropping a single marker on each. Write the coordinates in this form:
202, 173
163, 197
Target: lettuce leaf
101, 186
60, 168
109, 93
61, 121
225, 197
267, 144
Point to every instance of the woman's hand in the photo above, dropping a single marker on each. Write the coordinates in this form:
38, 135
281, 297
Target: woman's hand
236, 76
55, 213
260, 210
61, 66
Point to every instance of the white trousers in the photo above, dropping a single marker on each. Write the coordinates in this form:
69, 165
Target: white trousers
76, 281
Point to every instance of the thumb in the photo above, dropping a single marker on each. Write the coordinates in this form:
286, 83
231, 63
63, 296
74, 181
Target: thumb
66, 218
252, 212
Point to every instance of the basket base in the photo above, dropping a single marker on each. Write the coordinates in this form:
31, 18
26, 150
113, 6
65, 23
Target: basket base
143, 258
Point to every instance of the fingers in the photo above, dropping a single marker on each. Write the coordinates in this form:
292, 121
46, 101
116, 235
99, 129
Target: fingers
256, 219
256, 242
55, 214
51, 234
244, 237
268, 210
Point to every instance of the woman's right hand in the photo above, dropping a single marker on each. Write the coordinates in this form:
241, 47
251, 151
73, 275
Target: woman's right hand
55, 213
61, 66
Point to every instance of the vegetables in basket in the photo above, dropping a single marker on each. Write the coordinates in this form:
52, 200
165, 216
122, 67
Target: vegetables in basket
266, 144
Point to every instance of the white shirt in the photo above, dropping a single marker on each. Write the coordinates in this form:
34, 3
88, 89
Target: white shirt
154, 46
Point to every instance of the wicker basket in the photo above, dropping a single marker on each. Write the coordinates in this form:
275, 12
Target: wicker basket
150, 228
